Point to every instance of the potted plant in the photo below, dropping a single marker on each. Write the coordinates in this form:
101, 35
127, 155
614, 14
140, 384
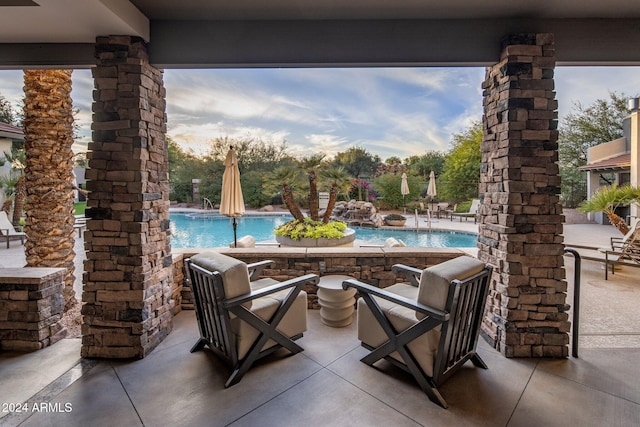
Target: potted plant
395, 220
316, 229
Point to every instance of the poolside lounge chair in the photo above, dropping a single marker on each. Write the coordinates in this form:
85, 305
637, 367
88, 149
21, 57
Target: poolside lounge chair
624, 250
8, 231
242, 318
473, 212
443, 210
428, 327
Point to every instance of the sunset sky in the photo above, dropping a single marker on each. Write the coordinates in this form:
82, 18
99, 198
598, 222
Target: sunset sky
388, 111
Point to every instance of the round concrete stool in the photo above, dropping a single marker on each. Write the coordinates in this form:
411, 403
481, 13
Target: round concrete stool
336, 304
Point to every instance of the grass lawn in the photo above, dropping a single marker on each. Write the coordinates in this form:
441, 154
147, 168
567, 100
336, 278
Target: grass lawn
79, 208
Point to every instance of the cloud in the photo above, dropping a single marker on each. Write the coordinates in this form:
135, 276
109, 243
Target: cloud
588, 84
388, 111
327, 144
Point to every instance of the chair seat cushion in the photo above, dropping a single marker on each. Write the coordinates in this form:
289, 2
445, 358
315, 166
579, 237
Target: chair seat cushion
369, 331
293, 323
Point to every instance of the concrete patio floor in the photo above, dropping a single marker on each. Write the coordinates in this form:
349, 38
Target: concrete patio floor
327, 385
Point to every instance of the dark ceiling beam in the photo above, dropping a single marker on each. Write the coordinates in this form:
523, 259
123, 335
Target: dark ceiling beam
18, 56
219, 44
388, 42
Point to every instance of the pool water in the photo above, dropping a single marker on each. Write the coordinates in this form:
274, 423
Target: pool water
214, 230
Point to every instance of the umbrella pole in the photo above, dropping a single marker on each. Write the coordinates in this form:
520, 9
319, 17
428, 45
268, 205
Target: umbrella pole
235, 238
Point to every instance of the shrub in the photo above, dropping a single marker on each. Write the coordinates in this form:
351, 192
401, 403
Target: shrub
311, 229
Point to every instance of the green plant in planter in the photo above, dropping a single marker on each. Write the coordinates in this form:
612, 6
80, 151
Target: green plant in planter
311, 229
310, 176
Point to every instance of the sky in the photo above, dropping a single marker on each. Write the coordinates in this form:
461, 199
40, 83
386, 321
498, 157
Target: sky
388, 111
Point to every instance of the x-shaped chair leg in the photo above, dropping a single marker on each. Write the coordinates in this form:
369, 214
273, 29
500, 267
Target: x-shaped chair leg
267, 331
398, 343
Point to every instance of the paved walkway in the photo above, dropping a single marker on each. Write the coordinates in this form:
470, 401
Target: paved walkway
609, 314
327, 385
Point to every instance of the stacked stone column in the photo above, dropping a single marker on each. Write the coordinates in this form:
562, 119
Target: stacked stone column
128, 271
521, 217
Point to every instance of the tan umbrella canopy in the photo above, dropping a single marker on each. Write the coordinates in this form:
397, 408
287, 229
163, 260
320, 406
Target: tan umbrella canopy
232, 202
431, 188
404, 186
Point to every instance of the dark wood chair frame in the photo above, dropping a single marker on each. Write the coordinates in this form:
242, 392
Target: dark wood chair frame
213, 311
460, 322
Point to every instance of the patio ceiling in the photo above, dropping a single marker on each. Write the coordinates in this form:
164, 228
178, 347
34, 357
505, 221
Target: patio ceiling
253, 33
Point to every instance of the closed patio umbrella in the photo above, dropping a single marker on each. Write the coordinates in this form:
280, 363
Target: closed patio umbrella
431, 188
232, 202
404, 186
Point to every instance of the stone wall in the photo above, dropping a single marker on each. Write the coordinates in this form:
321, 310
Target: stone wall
128, 272
178, 283
31, 306
371, 265
521, 217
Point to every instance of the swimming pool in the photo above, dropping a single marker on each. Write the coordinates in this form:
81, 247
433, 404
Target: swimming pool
214, 230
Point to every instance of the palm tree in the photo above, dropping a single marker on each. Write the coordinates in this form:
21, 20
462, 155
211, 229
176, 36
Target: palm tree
8, 185
48, 130
310, 166
309, 177
285, 177
607, 199
19, 188
337, 180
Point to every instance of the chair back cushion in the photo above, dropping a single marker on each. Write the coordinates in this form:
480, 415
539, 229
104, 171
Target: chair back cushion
435, 280
234, 273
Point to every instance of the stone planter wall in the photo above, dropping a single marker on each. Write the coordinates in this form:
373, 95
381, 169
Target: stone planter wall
371, 265
31, 306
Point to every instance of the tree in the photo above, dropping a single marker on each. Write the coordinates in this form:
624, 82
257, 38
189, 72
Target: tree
388, 185
287, 177
423, 165
393, 160
303, 182
461, 176
357, 161
607, 199
337, 179
17, 185
48, 129
581, 129
253, 153
6, 111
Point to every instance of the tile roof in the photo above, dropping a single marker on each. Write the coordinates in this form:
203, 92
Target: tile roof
622, 161
10, 131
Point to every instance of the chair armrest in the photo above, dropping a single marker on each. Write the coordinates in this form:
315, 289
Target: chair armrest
616, 242
365, 288
255, 269
276, 287
410, 273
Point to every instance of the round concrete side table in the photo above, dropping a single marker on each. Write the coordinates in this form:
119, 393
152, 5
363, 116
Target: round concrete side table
336, 304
